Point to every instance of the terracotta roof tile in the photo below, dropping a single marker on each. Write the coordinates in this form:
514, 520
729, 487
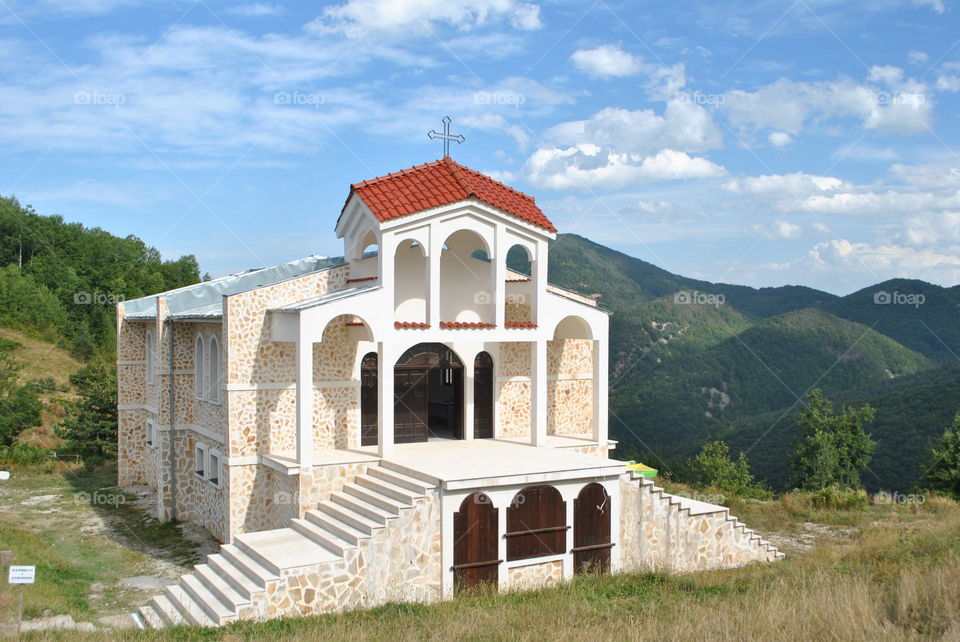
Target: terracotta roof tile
410, 325
520, 324
463, 325
440, 183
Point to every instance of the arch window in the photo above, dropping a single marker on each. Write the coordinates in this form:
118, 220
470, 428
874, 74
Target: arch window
150, 356
213, 371
199, 367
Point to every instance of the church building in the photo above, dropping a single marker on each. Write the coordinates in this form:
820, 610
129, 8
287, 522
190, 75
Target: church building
413, 421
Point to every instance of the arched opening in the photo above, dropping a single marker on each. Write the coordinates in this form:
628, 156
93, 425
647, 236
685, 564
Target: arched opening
198, 367
335, 357
428, 394
519, 288
213, 371
591, 530
364, 256
570, 379
466, 279
475, 543
369, 405
536, 523
483, 396
410, 282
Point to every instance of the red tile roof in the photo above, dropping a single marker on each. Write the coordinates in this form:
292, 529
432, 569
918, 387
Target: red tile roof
410, 325
440, 183
519, 324
463, 325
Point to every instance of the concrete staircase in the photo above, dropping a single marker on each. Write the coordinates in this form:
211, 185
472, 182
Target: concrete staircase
234, 583
734, 531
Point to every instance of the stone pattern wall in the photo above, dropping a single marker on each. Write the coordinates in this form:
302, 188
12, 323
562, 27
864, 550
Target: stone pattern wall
534, 576
657, 535
261, 498
514, 312
513, 380
398, 563
198, 499
570, 387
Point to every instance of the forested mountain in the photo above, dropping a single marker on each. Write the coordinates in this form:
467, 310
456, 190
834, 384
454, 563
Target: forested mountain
62, 280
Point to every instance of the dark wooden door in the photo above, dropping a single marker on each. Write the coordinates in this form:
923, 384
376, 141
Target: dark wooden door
369, 405
536, 523
483, 397
591, 530
475, 543
410, 419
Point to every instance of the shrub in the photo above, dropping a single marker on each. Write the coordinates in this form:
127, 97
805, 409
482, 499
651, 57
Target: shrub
714, 468
24, 455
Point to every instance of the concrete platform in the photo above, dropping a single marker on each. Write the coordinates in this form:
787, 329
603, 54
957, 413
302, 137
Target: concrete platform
458, 464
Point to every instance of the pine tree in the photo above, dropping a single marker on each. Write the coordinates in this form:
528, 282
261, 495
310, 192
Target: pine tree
943, 472
90, 427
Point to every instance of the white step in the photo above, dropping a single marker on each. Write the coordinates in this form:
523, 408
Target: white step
401, 479
399, 493
188, 607
347, 515
249, 566
167, 610
357, 505
220, 587
323, 537
216, 610
375, 498
336, 526
151, 619
234, 576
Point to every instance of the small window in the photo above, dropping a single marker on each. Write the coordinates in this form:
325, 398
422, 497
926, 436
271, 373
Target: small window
198, 368
150, 433
214, 469
213, 371
149, 356
198, 460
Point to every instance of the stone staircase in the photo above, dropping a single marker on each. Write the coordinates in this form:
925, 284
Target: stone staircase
246, 579
736, 543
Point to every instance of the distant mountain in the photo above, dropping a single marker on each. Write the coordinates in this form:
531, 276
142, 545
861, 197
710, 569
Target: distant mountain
732, 366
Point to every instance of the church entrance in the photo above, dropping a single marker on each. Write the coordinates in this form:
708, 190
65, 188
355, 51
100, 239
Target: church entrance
428, 394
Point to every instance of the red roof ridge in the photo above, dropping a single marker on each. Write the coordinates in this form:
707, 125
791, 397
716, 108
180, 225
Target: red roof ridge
489, 178
400, 172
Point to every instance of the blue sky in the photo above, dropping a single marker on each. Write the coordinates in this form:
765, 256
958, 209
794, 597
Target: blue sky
764, 143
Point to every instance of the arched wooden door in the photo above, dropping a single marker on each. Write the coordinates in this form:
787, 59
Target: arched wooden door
428, 394
483, 396
475, 543
368, 400
591, 530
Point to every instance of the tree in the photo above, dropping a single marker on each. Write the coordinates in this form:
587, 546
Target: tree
19, 405
90, 427
943, 473
713, 467
833, 448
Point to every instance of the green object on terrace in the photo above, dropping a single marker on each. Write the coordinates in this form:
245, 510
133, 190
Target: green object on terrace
641, 469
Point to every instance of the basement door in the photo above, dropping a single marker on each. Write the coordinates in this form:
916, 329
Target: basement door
475, 543
591, 530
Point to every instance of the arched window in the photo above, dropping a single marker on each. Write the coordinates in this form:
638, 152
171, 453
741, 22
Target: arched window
149, 356
536, 523
198, 368
368, 400
213, 371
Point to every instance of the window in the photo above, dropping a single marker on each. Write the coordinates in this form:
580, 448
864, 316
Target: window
149, 356
536, 523
198, 368
149, 433
213, 473
198, 460
213, 371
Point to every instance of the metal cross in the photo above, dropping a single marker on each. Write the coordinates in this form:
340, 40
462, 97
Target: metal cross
446, 136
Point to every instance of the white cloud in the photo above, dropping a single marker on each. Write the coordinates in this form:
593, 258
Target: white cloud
405, 18
588, 166
936, 5
607, 61
780, 230
915, 57
779, 139
948, 83
777, 186
888, 102
889, 259
255, 10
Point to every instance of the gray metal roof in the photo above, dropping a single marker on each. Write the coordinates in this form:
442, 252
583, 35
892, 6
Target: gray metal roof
313, 302
205, 300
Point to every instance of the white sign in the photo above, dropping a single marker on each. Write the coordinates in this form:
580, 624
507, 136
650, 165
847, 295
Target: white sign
22, 574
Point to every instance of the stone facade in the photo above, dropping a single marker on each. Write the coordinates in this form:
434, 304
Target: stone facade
534, 576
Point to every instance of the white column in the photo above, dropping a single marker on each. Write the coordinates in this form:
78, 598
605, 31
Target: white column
468, 398
538, 393
538, 275
500, 278
385, 359
600, 392
568, 558
304, 396
433, 300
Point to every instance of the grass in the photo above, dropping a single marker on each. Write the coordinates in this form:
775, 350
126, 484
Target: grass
882, 572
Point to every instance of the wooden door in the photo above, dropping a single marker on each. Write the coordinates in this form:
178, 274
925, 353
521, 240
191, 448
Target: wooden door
483, 397
536, 523
410, 405
591, 530
369, 405
475, 543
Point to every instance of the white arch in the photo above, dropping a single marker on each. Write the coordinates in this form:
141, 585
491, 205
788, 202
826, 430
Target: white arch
573, 327
213, 370
199, 367
150, 365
